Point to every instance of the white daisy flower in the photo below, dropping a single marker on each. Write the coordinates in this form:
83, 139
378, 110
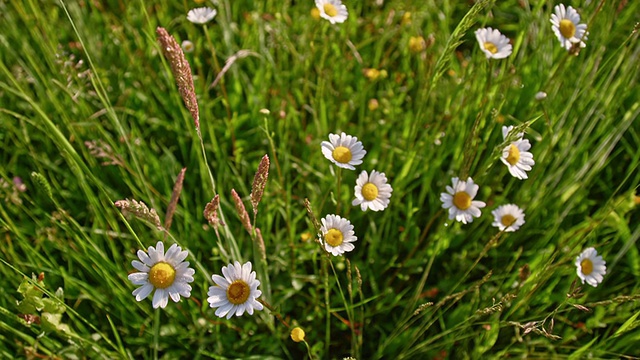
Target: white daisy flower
201, 15
167, 274
493, 44
337, 235
372, 191
343, 150
508, 217
332, 10
459, 200
507, 129
591, 267
187, 46
236, 292
566, 25
518, 159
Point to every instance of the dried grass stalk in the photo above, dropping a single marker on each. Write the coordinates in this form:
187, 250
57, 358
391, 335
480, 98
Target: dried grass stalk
259, 182
139, 210
181, 72
242, 212
175, 196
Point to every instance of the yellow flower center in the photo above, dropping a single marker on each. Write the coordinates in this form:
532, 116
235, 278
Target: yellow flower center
514, 155
330, 10
238, 292
369, 191
462, 200
567, 28
161, 275
508, 220
490, 47
297, 334
333, 237
587, 266
342, 154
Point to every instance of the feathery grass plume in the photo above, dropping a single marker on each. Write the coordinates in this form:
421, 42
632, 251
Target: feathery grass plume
211, 213
242, 212
181, 72
454, 40
101, 150
227, 65
43, 184
139, 210
175, 196
259, 182
314, 220
260, 242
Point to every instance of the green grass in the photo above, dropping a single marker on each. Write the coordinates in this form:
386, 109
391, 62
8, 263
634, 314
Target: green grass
75, 72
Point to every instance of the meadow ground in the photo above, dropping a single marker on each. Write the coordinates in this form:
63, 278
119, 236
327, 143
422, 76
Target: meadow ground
91, 113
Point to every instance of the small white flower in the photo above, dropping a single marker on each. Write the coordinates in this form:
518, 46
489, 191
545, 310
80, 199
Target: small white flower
343, 150
337, 235
167, 274
540, 95
332, 10
236, 292
506, 130
201, 15
187, 46
508, 217
459, 200
591, 267
493, 44
518, 159
566, 25
372, 191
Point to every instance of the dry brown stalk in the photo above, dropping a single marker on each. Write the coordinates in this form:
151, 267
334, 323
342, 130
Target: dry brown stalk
181, 72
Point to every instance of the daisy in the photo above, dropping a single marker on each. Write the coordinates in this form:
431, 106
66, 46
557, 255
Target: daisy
591, 267
508, 217
332, 10
459, 200
493, 44
236, 292
343, 150
167, 274
337, 235
372, 191
506, 130
187, 46
518, 159
566, 25
201, 15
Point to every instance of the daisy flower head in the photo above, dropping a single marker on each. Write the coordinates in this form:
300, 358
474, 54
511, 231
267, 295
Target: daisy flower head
506, 130
187, 46
201, 15
518, 159
565, 23
591, 267
168, 274
493, 44
459, 200
332, 10
508, 217
372, 191
343, 150
337, 235
236, 292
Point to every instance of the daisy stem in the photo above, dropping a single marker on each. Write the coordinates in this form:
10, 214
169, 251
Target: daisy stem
222, 87
156, 333
339, 180
470, 148
327, 332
